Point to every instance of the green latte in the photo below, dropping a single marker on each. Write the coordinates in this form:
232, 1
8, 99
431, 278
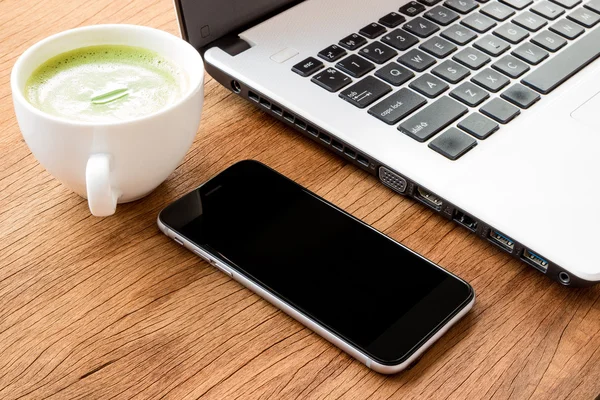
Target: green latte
105, 84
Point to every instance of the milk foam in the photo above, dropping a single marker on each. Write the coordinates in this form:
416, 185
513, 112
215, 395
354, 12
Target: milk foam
108, 83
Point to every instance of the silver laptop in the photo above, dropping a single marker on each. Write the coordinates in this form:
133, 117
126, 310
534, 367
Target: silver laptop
486, 111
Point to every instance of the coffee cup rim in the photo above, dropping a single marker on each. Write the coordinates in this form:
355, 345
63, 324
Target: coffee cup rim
17, 91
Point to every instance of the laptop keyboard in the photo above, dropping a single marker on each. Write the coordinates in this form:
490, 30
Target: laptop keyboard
432, 64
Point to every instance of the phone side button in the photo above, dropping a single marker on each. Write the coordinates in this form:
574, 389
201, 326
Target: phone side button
200, 254
177, 240
220, 268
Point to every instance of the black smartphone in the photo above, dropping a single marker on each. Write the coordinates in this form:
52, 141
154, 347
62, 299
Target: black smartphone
369, 295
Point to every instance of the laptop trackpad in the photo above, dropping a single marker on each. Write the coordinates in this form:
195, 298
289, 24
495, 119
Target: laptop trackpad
588, 112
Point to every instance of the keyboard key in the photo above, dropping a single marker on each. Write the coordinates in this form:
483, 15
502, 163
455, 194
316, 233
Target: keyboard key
441, 15
530, 21
373, 30
459, 34
412, 8
394, 74
429, 86
453, 144
479, 126
565, 64
397, 106
548, 10
417, 60
432, 119
511, 33
499, 110
429, 3
549, 41
331, 79
438, 47
451, 71
511, 67
332, 53
567, 29
567, 3
530, 53
478, 22
378, 52
400, 40
520, 95
461, 6
307, 67
498, 11
472, 58
353, 42
584, 17
593, 5
355, 66
421, 27
470, 94
518, 4
491, 45
491, 80
392, 20
365, 92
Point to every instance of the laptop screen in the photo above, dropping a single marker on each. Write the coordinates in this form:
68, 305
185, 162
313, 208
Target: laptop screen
204, 21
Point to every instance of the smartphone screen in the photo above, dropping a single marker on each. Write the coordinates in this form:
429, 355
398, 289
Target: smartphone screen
369, 290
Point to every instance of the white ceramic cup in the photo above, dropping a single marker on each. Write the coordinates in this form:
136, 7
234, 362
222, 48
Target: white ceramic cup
116, 162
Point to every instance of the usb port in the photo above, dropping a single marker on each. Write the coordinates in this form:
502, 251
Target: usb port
465, 220
502, 240
428, 198
535, 261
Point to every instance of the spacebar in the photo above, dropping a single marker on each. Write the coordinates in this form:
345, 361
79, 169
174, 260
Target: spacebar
565, 64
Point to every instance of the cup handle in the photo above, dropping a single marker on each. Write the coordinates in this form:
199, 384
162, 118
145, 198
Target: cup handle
102, 197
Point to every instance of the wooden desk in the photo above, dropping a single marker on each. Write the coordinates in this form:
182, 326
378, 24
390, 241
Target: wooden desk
110, 308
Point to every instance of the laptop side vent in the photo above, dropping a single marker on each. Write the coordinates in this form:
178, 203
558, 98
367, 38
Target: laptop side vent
314, 133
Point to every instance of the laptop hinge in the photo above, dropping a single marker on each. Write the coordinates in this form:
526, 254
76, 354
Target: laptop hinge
208, 23
231, 44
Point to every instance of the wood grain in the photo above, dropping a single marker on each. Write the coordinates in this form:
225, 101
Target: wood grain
110, 308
